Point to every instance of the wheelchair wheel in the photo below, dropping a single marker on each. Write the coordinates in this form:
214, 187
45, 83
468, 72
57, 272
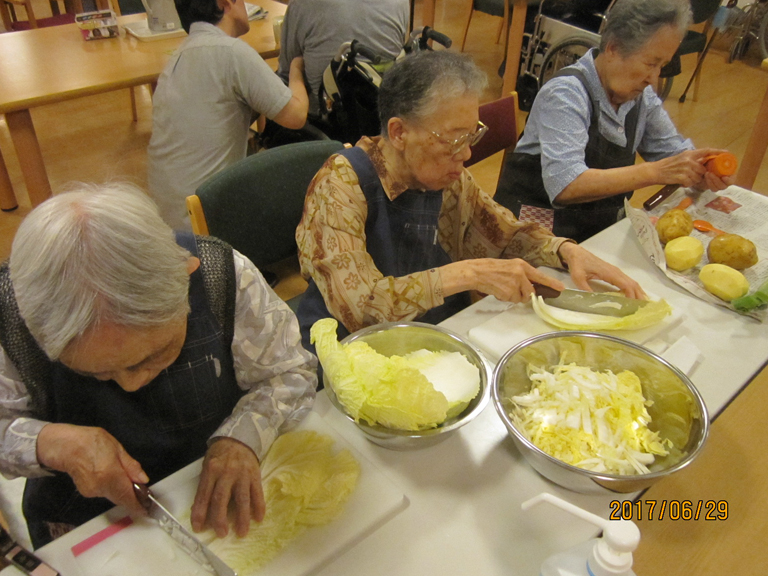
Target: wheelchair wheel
762, 36
563, 54
738, 49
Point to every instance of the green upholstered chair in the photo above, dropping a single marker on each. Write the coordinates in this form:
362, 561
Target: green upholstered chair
256, 204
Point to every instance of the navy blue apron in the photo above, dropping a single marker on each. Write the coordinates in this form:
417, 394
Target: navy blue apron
165, 425
521, 182
401, 237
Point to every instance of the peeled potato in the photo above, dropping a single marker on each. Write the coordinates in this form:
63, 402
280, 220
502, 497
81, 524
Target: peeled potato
683, 253
674, 224
723, 281
732, 250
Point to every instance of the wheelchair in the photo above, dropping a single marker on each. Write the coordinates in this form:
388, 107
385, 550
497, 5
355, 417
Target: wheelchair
564, 31
747, 25
348, 96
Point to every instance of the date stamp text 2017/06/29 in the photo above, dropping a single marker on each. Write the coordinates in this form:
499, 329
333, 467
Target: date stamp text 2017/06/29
669, 510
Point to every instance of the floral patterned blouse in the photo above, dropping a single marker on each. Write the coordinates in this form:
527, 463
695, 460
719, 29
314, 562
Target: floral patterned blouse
332, 242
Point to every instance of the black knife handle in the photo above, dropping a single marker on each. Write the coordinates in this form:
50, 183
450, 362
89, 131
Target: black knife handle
544, 291
660, 196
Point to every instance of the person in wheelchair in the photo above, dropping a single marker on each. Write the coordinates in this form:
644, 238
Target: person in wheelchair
397, 229
575, 163
314, 30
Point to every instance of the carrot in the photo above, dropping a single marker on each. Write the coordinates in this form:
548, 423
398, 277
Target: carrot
723, 164
684, 203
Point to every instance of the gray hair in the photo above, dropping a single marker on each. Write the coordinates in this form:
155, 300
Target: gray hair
414, 87
631, 23
100, 253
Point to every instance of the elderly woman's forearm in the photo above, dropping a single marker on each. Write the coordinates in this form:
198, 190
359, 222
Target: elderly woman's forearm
459, 277
595, 184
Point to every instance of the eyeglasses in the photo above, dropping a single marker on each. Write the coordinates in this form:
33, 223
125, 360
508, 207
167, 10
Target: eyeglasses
469, 139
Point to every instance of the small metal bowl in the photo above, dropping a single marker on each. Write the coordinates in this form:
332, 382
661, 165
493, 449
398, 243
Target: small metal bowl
400, 338
679, 396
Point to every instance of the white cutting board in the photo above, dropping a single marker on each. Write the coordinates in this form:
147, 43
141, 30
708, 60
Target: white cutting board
143, 549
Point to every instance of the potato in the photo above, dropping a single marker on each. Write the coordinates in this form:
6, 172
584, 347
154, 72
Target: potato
673, 224
683, 253
723, 281
732, 250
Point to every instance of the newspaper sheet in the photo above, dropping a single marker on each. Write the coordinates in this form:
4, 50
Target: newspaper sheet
735, 210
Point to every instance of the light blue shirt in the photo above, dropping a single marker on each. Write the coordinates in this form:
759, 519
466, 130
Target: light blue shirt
558, 125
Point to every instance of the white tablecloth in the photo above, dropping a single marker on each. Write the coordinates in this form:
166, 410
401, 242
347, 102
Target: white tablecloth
465, 493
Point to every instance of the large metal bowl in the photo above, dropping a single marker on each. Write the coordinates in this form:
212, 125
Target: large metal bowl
671, 392
399, 338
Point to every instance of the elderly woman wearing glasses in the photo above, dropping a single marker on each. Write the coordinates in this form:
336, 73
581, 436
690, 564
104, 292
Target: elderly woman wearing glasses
397, 229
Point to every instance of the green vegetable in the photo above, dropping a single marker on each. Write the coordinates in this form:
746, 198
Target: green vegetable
593, 420
648, 315
413, 392
751, 301
305, 484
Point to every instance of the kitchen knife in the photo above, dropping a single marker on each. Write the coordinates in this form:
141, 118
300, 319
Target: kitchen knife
183, 537
605, 303
660, 196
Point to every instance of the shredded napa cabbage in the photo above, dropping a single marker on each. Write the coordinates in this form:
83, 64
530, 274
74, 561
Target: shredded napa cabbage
305, 484
413, 392
593, 420
652, 313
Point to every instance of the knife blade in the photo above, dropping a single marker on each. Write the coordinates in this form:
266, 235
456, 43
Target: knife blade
183, 537
605, 303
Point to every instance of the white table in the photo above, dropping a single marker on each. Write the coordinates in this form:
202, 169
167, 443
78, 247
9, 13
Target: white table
464, 515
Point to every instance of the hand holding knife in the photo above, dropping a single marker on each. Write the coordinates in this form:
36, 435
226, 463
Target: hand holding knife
183, 537
723, 164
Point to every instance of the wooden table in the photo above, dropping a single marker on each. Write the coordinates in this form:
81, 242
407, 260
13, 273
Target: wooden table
515, 31
758, 143
50, 65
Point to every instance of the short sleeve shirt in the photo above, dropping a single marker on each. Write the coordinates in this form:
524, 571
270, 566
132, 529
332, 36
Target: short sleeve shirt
203, 107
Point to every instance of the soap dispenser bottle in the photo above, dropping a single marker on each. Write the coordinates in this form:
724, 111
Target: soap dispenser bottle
610, 555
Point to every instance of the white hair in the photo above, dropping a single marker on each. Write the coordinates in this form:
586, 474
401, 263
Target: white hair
99, 253
632, 23
421, 84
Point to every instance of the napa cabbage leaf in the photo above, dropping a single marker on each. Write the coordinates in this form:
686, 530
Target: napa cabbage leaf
305, 484
593, 420
652, 313
412, 392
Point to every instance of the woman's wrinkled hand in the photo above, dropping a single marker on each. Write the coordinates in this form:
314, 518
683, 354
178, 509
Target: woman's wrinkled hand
585, 266
686, 169
231, 472
97, 463
507, 280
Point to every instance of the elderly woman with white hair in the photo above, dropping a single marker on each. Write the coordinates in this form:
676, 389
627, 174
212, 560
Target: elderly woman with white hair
397, 229
575, 163
128, 352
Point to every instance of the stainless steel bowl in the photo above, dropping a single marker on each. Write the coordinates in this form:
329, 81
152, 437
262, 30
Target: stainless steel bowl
399, 338
676, 396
